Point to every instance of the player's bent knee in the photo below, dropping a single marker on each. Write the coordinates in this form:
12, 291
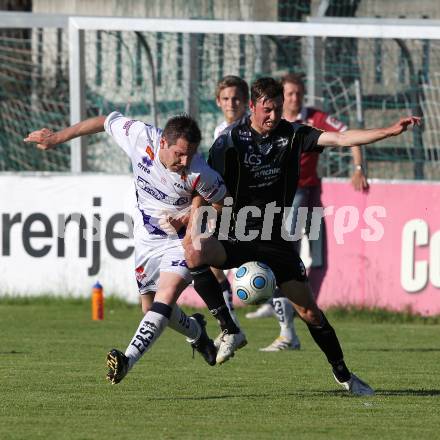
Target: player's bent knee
193, 257
146, 301
312, 316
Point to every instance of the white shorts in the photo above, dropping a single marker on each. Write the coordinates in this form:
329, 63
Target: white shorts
150, 264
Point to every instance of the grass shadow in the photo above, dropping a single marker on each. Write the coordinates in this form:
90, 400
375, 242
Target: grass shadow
406, 350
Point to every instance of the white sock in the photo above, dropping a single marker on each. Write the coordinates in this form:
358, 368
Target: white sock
284, 312
183, 324
150, 328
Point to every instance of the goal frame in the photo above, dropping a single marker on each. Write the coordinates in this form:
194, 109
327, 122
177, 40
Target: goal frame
315, 28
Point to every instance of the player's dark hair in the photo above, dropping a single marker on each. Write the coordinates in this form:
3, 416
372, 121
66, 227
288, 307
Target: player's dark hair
233, 81
294, 78
266, 88
182, 126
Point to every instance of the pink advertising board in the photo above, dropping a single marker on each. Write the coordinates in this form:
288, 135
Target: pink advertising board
392, 264
383, 247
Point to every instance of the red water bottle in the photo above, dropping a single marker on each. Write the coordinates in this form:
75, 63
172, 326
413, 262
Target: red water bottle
97, 302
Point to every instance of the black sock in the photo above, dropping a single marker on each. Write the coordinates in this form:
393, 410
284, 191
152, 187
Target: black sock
325, 336
208, 288
225, 285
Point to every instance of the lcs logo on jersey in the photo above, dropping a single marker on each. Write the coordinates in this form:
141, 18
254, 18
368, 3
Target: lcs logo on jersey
252, 159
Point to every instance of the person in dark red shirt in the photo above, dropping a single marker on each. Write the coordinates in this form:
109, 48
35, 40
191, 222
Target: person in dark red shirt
308, 196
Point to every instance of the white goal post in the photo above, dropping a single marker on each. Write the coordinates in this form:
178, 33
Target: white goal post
316, 27
313, 33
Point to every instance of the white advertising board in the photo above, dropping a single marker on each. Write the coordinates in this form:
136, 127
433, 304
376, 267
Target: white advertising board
38, 255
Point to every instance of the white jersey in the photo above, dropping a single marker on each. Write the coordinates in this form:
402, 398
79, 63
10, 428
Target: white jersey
224, 125
219, 129
159, 190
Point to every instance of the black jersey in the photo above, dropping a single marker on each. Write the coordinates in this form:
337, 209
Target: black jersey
259, 170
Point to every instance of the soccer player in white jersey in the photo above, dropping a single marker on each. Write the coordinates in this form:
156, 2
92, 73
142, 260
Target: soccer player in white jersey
232, 96
167, 171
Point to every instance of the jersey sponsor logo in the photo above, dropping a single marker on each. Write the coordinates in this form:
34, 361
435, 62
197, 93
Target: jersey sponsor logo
159, 195
267, 172
245, 138
245, 133
141, 278
143, 167
139, 273
127, 126
333, 122
150, 152
178, 185
252, 159
148, 159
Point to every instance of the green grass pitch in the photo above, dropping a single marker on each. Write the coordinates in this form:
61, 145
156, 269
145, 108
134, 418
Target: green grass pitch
52, 369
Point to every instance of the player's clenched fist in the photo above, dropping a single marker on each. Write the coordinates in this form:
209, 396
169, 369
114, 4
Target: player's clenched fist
44, 138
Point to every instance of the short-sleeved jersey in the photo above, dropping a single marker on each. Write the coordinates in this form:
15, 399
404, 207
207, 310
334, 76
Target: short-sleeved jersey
259, 170
158, 189
309, 161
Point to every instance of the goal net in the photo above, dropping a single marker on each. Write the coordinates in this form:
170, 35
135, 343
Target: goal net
153, 69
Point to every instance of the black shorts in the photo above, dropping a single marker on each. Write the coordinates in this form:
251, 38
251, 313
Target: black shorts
279, 255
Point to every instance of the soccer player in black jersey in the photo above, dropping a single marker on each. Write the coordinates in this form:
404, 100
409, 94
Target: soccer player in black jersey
259, 159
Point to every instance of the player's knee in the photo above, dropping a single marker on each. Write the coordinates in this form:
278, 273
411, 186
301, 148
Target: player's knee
193, 256
146, 301
312, 316
196, 255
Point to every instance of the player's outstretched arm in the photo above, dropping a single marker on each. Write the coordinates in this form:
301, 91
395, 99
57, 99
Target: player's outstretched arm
362, 137
47, 139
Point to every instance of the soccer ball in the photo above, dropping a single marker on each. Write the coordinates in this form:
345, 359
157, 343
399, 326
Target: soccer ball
254, 282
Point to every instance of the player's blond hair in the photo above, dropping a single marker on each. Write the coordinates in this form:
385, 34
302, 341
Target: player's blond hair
233, 81
293, 78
